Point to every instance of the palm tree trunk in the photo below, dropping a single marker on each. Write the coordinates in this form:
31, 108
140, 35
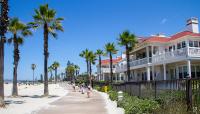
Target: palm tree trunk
1, 72
90, 64
128, 62
111, 70
16, 60
46, 54
33, 77
100, 65
88, 69
55, 75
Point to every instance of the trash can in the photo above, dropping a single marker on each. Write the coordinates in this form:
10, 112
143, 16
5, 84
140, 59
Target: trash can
106, 89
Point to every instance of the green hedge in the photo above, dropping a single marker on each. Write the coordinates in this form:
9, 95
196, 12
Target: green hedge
134, 105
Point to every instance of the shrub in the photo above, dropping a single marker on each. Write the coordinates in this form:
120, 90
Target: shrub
97, 87
134, 105
113, 95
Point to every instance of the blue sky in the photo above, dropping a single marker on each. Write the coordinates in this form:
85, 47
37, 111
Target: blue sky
92, 23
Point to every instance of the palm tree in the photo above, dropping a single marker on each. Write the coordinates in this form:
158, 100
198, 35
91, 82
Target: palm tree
33, 66
92, 59
55, 66
110, 49
99, 52
77, 68
4, 24
85, 54
128, 40
50, 69
45, 17
18, 31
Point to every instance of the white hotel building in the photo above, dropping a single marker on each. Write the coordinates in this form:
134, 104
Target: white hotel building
160, 57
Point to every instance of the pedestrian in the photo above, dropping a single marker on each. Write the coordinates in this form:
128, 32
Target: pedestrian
74, 87
89, 90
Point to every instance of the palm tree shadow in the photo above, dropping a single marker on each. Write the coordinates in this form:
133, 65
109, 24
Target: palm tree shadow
40, 96
7, 102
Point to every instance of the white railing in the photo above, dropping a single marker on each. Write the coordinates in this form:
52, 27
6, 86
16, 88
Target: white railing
138, 62
194, 51
170, 55
107, 70
121, 68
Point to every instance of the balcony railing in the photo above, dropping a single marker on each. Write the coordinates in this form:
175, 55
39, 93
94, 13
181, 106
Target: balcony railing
194, 51
169, 55
138, 62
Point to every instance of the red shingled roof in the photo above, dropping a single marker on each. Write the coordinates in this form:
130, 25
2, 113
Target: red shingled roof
167, 39
107, 61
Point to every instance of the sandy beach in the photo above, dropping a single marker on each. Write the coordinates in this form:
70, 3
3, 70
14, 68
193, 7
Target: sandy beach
30, 98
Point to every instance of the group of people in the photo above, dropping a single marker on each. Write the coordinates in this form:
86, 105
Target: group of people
83, 88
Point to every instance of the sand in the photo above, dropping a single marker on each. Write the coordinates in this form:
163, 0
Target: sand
31, 98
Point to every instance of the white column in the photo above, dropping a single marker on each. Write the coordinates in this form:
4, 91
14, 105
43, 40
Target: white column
153, 73
187, 47
189, 68
148, 73
164, 71
147, 53
177, 72
103, 77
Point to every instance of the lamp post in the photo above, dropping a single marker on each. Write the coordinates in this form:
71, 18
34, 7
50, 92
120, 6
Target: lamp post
3, 29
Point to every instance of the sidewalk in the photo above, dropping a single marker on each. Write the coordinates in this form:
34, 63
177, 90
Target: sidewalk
76, 103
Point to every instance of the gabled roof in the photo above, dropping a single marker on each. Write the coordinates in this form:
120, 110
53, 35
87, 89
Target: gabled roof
107, 61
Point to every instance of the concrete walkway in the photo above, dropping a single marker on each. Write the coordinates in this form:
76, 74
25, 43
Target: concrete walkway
76, 103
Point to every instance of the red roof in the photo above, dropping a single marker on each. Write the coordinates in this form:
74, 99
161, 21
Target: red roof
167, 39
107, 61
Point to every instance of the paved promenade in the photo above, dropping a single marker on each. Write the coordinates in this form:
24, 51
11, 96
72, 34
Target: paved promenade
76, 103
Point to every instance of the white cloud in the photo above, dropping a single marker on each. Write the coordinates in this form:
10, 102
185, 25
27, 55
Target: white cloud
164, 20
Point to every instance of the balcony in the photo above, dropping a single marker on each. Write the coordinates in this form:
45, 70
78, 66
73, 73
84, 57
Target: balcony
107, 70
194, 51
172, 55
138, 62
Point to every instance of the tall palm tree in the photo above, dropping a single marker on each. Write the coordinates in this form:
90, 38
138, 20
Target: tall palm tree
55, 66
18, 30
128, 40
110, 49
85, 54
92, 59
99, 53
33, 66
3, 30
46, 18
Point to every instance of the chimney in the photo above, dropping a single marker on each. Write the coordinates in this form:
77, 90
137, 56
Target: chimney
193, 25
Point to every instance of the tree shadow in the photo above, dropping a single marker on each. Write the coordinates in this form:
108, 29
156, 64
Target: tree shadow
7, 102
40, 96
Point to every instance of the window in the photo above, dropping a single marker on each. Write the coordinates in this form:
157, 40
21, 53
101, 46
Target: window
185, 71
180, 72
191, 43
183, 44
193, 71
179, 46
198, 71
195, 43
